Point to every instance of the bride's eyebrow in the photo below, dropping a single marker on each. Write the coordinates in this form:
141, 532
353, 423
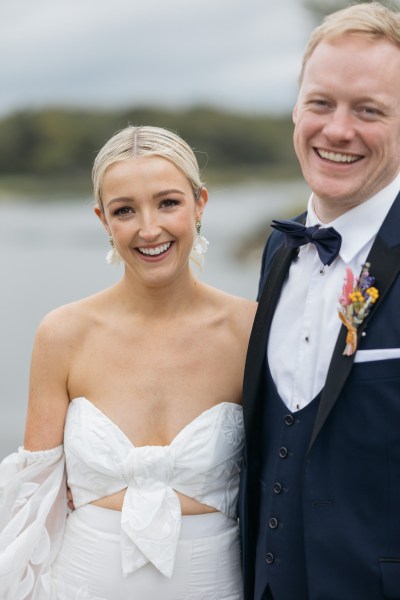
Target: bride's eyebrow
120, 199
131, 200
166, 192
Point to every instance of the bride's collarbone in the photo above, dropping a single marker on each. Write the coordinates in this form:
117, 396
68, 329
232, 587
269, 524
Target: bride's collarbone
176, 326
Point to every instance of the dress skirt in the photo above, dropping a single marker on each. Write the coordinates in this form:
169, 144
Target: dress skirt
88, 567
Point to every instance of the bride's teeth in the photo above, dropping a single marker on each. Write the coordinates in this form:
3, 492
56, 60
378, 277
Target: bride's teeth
155, 251
337, 157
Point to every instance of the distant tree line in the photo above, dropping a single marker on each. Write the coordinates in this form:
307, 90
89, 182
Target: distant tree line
63, 142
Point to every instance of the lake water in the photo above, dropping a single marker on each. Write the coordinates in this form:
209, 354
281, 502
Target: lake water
53, 253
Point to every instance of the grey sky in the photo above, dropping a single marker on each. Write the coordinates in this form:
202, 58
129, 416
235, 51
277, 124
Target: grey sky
239, 54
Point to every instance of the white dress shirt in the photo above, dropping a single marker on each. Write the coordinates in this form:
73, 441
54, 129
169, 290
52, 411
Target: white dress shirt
306, 322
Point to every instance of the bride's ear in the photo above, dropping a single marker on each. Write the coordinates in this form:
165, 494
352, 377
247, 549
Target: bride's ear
99, 212
201, 202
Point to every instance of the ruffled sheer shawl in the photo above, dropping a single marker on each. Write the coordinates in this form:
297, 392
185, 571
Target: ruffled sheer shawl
33, 510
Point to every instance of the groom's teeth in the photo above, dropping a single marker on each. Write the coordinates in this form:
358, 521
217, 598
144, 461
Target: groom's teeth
155, 251
337, 157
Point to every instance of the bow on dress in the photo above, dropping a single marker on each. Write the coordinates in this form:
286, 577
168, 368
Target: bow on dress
151, 512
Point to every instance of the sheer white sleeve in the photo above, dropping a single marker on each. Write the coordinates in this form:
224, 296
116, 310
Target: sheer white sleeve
33, 510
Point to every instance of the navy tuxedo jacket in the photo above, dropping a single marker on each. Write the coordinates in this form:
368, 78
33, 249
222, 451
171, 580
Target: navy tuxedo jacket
350, 487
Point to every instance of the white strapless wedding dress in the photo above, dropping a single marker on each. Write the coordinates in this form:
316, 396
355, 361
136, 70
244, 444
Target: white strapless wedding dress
156, 545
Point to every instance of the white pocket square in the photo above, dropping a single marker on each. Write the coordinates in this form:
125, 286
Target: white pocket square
376, 354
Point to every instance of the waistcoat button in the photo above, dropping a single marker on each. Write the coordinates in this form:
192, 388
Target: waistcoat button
289, 420
283, 452
273, 523
269, 558
277, 488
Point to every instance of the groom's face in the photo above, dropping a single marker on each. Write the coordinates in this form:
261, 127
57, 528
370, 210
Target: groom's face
347, 121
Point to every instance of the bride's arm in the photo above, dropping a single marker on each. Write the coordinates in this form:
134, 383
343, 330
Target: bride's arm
33, 505
48, 394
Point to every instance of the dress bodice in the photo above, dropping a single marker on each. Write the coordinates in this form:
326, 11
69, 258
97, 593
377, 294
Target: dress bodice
202, 462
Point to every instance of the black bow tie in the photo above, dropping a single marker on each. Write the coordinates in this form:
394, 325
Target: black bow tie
326, 239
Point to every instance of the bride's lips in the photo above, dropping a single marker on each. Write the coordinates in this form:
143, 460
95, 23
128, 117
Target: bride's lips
155, 252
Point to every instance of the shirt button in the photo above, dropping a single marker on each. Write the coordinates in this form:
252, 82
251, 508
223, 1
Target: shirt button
283, 452
277, 488
273, 523
269, 558
289, 420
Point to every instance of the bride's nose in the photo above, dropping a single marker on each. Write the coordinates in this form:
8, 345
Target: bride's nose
149, 228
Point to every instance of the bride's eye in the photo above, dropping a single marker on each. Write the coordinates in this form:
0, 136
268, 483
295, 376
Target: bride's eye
169, 203
122, 211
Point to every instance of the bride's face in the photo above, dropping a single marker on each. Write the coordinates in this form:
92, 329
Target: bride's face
151, 213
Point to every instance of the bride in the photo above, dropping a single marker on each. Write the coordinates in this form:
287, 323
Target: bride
134, 404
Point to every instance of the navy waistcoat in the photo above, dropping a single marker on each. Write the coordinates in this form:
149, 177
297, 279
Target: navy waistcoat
280, 548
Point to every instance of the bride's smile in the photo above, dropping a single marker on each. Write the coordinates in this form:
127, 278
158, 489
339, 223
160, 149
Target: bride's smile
150, 211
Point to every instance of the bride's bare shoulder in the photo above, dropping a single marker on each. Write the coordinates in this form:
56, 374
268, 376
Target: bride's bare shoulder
236, 308
72, 320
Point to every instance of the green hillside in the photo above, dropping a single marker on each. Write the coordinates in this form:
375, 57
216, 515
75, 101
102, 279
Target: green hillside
53, 149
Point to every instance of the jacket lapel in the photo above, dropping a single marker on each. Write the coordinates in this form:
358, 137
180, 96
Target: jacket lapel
255, 361
384, 258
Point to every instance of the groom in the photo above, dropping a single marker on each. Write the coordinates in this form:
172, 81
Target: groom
320, 500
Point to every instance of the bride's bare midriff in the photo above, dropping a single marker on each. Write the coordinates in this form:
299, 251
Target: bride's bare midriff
188, 505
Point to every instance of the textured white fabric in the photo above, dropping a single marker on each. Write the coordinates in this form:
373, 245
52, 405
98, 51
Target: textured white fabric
202, 462
88, 567
33, 509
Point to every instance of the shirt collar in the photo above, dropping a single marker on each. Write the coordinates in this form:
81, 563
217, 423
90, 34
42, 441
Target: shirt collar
360, 224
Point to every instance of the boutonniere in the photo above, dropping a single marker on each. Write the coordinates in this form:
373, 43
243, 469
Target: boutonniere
357, 299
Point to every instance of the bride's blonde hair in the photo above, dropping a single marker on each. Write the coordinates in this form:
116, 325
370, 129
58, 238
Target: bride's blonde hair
135, 142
